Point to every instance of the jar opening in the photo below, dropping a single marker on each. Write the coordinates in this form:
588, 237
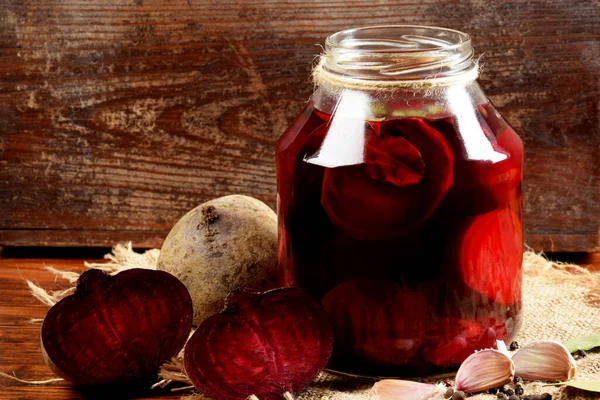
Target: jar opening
398, 52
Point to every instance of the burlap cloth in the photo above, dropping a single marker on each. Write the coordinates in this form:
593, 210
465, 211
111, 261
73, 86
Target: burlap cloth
561, 302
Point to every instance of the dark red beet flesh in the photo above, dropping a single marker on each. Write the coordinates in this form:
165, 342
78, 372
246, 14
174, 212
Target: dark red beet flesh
376, 321
433, 209
405, 187
262, 344
459, 338
117, 328
499, 230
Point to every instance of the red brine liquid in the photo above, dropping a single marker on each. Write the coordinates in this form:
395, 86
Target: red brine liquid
409, 236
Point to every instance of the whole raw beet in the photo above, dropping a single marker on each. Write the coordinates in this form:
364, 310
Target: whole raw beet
223, 244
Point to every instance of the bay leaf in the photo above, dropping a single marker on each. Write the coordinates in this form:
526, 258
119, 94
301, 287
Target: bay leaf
590, 386
583, 343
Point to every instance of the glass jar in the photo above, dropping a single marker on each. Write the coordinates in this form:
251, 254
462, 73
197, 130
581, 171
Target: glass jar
399, 202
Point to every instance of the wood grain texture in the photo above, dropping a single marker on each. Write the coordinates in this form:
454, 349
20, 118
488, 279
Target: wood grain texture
20, 351
117, 118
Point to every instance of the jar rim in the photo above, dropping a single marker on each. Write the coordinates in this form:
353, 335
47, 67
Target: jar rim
398, 52
341, 39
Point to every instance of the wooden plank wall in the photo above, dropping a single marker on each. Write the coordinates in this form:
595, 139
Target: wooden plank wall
118, 117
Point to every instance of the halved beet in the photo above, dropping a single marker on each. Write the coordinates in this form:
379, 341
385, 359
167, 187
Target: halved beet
117, 328
376, 321
488, 252
262, 344
389, 196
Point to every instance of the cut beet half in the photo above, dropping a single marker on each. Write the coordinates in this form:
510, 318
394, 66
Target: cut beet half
395, 191
117, 328
261, 344
378, 321
489, 253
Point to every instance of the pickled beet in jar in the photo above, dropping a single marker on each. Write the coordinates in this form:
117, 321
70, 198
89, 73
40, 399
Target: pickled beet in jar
399, 202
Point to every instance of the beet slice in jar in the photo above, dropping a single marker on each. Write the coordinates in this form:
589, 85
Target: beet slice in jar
376, 320
395, 191
451, 340
488, 252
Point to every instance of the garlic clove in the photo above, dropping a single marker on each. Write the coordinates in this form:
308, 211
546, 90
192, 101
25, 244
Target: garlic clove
544, 360
483, 370
501, 346
394, 389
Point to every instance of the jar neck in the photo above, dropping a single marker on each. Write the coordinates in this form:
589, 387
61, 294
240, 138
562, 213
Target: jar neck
396, 55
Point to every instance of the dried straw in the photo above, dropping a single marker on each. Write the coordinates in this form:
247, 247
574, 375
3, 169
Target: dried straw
44, 382
121, 257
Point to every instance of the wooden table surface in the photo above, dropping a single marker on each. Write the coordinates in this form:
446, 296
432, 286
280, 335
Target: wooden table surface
20, 339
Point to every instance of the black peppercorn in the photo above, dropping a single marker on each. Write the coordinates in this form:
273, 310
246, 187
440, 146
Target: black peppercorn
459, 395
502, 396
509, 391
514, 345
546, 396
514, 397
518, 379
493, 391
579, 354
519, 389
